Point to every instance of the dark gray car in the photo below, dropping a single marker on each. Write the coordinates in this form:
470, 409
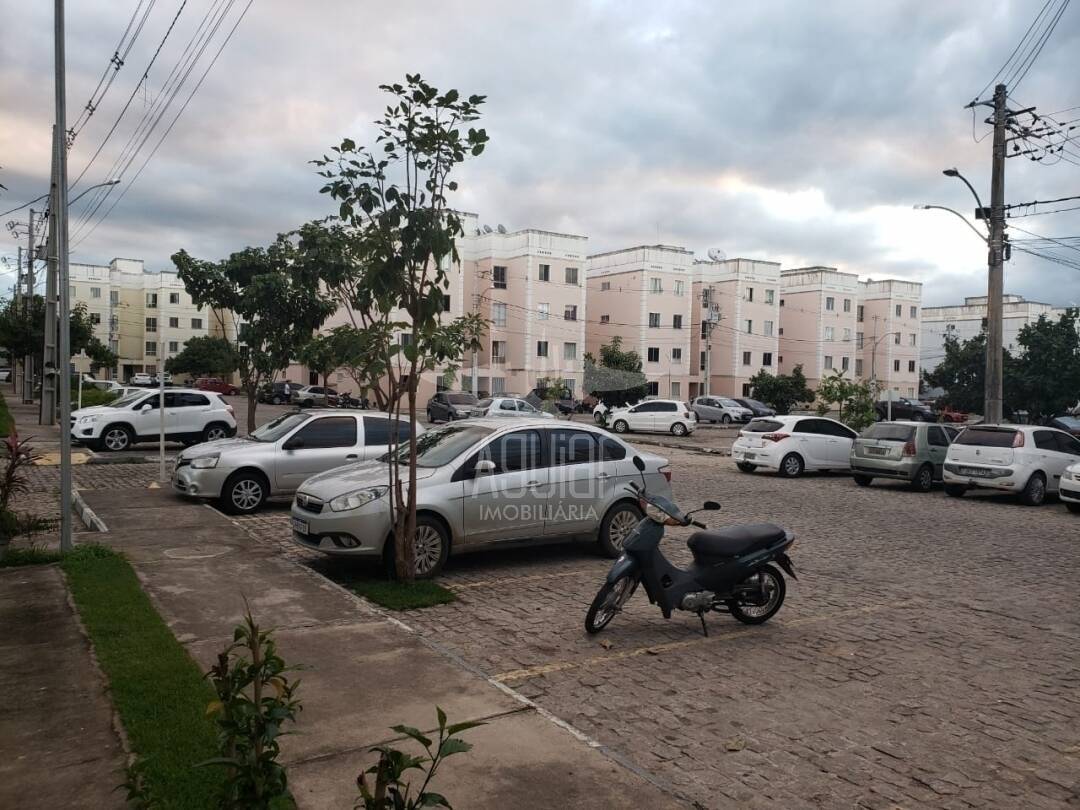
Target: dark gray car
906, 451
446, 406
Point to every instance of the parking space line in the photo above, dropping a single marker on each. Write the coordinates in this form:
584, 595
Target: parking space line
656, 649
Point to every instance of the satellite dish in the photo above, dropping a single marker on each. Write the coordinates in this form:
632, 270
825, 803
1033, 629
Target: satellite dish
487, 229
717, 255
501, 229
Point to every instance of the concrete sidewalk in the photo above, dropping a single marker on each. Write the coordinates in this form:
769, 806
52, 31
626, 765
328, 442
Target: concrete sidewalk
58, 746
362, 671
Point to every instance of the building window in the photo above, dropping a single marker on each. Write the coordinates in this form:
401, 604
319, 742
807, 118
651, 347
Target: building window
830, 304
656, 285
151, 324
701, 363
844, 363
859, 337
498, 351
605, 319
174, 323
706, 297
569, 351
605, 286
847, 335
679, 287
914, 312
654, 320
498, 385
95, 292
405, 339
747, 358
767, 328
770, 296
899, 310
653, 354
652, 389
781, 302
895, 365
174, 298
829, 333
861, 312
828, 362
780, 360
747, 390
545, 273
568, 384
780, 331
896, 338
542, 311
174, 346
95, 318
676, 355
571, 276
749, 327
570, 313
858, 367
446, 303
911, 339
151, 348
847, 305
151, 300
766, 359
676, 390
498, 278
704, 331
676, 321
114, 297
911, 366
749, 294
541, 348
498, 314
196, 323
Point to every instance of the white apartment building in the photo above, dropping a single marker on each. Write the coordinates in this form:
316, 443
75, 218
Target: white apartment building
888, 336
818, 322
645, 295
143, 316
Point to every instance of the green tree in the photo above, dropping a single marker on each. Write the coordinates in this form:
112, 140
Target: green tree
204, 356
617, 379
398, 244
1045, 377
22, 331
781, 391
854, 397
101, 356
962, 374
320, 355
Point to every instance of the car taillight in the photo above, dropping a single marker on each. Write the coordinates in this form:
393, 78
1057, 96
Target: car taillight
775, 437
666, 472
229, 408
1018, 439
909, 449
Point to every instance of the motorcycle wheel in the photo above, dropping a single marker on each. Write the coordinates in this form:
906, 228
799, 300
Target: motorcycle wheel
774, 586
609, 601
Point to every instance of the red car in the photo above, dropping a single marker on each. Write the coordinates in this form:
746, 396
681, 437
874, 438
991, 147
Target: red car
217, 385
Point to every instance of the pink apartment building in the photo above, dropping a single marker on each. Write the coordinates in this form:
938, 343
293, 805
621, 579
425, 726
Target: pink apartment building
889, 332
645, 295
736, 325
818, 322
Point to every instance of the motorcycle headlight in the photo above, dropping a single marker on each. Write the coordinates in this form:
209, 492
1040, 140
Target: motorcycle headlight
205, 462
354, 500
654, 513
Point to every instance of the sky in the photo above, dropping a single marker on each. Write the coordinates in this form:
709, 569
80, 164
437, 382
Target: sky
789, 131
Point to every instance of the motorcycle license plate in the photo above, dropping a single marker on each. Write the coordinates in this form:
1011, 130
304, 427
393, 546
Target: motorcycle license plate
300, 526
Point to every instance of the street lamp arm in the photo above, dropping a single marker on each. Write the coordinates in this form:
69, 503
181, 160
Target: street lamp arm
978, 233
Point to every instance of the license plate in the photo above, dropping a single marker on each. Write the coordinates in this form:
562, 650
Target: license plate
876, 451
975, 472
300, 526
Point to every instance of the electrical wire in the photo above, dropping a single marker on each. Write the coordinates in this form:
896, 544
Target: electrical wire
1017, 79
1015, 50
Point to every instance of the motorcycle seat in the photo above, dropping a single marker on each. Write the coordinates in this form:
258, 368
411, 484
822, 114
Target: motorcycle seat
733, 541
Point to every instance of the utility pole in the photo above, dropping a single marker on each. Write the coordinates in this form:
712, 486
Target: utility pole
64, 314
28, 360
49, 365
712, 317
18, 300
995, 261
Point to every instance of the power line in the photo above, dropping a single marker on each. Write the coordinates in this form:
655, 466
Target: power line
1034, 55
1015, 50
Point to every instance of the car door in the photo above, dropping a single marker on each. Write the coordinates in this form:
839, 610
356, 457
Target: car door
319, 444
147, 421
527, 410
640, 417
192, 412
1052, 458
937, 442
506, 407
812, 442
376, 439
840, 439
579, 482
506, 504
1069, 449
664, 416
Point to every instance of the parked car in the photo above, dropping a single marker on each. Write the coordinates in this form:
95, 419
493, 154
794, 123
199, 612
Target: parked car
947, 414
277, 457
315, 396
217, 385
156, 380
141, 378
507, 406
1070, 424
5, 374
903, 408
1069, 488
721, 409
191, 416
755, 407
111, 386
537, 398
446, 406
482, 482
908, 451
654, 416
792, 445
274, 393
1026, 460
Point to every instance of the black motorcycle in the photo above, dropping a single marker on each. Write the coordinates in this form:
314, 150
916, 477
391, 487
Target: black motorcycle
731, 571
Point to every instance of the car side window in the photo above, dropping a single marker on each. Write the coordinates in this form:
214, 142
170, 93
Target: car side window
332, 431
1046, 440
572, 447
189, 400
151, 401
513, 452
667, 407
376, 431
936, 437
952, 433
508, 405
1068, 444
611, 450
836, 429
809, 426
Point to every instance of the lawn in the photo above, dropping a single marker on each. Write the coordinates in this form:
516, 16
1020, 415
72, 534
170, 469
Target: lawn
28, 556
396, 595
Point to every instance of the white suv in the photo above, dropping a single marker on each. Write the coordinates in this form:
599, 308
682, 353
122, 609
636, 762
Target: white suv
656, 416
792, 445
191, 416
1025, 460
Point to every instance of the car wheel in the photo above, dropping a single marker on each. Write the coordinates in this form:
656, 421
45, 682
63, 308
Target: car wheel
678, 429
244, 493
879, 416
924, 479
725, 419
308, 403
215, 431
275, 400
430, 550
1034, 492
116, 438
621, 426
863, 480
616, 526
792, 466
955, 490
1073, 507
598, 418
430, 418
744, 467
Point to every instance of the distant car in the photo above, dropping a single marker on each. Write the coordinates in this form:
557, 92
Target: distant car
792, 445
908, 451
446, 406
190, 416
1025, 460
757, 408
654, 416
168, 379
1070, 424
141, 378
274, 393
903, 408
217, 385
507, 406
721, 409
1069, 488
111, 386
315, 396
5, 374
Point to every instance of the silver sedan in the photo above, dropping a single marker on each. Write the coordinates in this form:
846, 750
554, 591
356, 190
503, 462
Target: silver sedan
485, 482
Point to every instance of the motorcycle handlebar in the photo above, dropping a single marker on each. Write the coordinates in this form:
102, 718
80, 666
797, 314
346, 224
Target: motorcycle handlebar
699, 524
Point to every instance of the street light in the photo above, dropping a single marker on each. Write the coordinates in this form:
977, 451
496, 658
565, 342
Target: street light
979, 212
78, 197
955, 213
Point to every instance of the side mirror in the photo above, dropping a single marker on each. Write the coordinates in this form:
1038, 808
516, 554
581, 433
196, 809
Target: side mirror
293, 443
484, 466
711, 506
145, 407
639, 464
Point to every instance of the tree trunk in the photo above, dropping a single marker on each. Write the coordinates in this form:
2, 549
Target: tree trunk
252, 402
404, 546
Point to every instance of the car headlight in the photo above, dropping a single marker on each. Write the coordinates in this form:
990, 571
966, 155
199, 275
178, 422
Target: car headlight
87, 420
354, 500
205, 462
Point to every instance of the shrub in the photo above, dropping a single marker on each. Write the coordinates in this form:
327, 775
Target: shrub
94, 396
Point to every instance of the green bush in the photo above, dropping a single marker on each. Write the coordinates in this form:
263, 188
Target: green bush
7, 424
92, 397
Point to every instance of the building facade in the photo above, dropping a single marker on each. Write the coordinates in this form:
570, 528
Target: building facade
889, 333
818, 322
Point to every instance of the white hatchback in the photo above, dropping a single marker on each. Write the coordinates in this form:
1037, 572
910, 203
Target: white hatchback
509, 406
792, 445
654, 416
191, 416
1026, 460
1069, 490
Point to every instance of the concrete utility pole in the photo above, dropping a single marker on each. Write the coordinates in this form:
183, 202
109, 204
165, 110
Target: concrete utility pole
28, 360
49, 363
18, 299
64, 314
710, 321
995, 261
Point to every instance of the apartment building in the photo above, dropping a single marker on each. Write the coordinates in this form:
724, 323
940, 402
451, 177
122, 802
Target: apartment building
967, 320
888, 334
144, 316
736, 325
818, 322
645, 296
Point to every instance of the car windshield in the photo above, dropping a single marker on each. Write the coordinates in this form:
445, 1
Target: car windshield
753, 403
272, 431
127, 399
986, 437
1070, 422
890, 433
484, 403
763, 426
438, 447
461, 399
729, 403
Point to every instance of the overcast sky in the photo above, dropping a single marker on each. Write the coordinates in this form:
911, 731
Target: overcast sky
797, 132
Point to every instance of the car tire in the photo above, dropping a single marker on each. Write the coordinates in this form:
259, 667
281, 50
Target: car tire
879, 416
745, 467
244, 493
620, 426
725, 419
430, 418
620, 520
1034, 491
598, 418
1073, 507
792, 466
307, 403
679, 429
276, 400
116, 438
955, 490
215, 431
436, 542
863, 480
924, 479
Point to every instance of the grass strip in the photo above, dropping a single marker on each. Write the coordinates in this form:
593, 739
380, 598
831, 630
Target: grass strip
396, 595
14, 557
157, 689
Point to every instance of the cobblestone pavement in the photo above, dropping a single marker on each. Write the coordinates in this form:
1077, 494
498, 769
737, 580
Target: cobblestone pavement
927, 656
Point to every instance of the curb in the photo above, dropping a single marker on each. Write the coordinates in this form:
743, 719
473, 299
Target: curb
89, 517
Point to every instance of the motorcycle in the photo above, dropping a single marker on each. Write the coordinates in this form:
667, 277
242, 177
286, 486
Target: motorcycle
732, 570
347, 402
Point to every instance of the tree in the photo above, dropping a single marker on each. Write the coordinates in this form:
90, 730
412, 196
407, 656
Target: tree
101, 356
855, 398
394, 251
1045, 378
781, 391
320, 355
267, 302
205, 356
22, 332
618, 379
962, 374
